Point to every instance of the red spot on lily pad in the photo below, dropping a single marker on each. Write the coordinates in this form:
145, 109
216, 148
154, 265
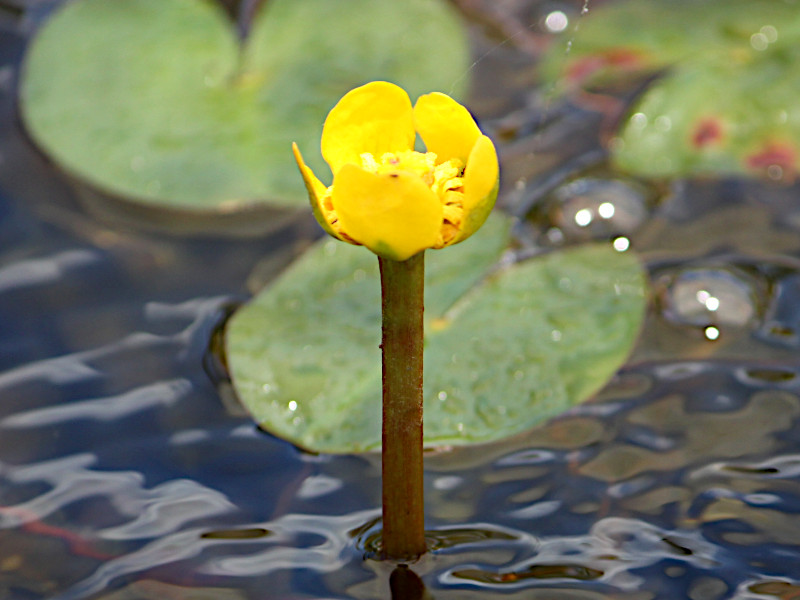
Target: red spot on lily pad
707, 131
777, 159
614, 59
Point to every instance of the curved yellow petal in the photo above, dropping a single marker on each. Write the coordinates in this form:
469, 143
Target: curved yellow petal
445, 126
394, 214
375, 118
316, 190
481, 181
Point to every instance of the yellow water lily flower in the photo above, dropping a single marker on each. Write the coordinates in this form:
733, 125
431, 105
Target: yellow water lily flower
389, 198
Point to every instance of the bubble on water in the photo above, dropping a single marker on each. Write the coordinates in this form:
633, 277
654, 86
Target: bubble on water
594, 209
710, 298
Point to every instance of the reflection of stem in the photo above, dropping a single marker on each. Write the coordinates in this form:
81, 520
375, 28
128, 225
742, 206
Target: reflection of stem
404, 584
402, 287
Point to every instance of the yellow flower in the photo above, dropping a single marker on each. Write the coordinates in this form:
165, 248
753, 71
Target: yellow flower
389, 198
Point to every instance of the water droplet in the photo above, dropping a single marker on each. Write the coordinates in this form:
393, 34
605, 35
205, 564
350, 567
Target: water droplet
639, 120
621, 243
759, 41
711, 332
555, 235
556, 21
770, 32
442, 396
583, 217
606, 210
292, 405
663, 123
775, 172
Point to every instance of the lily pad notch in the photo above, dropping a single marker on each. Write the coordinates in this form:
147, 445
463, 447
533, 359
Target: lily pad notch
157, 103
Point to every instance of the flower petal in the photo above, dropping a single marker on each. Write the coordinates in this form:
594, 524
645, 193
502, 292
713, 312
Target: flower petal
316, 190
375, 118
394, 214
481, 180
445, 126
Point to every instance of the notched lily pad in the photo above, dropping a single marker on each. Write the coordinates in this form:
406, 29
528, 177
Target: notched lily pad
725, 101
505, 347
158, 101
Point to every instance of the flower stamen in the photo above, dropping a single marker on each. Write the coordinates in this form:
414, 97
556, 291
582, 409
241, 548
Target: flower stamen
446, 180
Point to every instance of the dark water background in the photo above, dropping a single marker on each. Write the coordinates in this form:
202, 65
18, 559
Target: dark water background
126, 472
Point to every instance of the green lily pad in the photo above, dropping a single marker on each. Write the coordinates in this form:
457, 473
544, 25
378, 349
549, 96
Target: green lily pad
725, 102
610, 42
158, 101
687, 125
505, 347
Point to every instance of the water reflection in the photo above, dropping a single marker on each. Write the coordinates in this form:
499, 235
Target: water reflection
404, 584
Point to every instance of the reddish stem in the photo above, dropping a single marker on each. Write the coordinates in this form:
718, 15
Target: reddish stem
402, 287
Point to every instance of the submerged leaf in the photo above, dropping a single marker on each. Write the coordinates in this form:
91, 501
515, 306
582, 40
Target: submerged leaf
504, 349
155, 100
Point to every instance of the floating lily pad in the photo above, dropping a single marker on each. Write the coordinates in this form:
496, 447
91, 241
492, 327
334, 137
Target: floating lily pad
725, 102
157, 100
710, 117
505, 348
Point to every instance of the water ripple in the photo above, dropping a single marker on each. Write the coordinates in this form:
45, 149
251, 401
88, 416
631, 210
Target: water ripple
159, 394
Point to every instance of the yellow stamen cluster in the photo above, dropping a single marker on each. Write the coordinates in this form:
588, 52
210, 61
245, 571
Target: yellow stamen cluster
445, 180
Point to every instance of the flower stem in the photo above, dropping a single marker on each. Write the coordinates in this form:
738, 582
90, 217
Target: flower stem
402, 288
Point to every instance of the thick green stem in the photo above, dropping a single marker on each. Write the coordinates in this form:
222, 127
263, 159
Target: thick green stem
402, 287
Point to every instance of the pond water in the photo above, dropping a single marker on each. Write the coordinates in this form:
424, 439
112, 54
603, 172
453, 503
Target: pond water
127, 471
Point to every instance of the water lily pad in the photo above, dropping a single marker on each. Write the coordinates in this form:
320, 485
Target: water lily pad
612, 40
726, 100
505, 348
685, 125
158, 101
